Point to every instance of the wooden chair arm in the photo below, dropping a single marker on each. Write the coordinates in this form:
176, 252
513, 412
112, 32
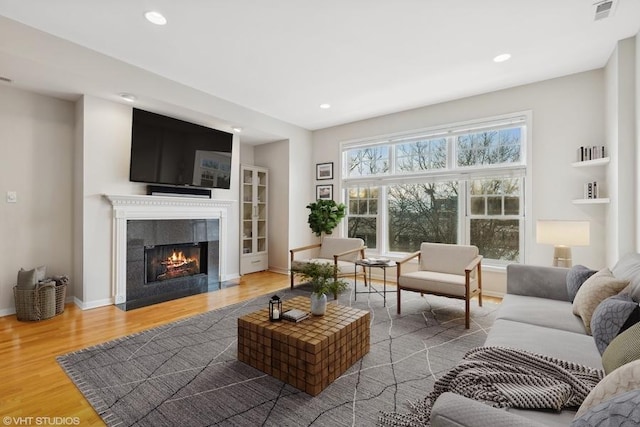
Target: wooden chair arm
409, 257
350, 251
303, 248
473, 264
402, 261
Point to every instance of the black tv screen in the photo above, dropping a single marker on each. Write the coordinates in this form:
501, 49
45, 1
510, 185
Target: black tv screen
169, 151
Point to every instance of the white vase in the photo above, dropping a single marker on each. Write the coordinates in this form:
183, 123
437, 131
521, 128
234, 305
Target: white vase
318, 304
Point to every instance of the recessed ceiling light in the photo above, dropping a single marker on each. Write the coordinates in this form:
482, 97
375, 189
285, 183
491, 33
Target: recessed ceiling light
325, 106
129, 97
236, 129
502, 58
155, 17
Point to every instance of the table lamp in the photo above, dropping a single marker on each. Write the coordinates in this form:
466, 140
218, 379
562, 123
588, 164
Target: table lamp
563, 235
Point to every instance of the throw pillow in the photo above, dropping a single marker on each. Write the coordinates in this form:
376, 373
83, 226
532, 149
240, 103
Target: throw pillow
27, 279
593, 291
576, 277
613, 316
628, 267
622, 410
623, 349
41, 273
622, 380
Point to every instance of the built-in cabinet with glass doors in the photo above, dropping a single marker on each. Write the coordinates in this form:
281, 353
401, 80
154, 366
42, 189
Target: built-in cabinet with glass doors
253, 219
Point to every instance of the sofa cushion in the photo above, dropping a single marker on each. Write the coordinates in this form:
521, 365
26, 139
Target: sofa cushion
622, 380
576, 277
445, 258
622, 410
344, 267
596, 289
623, 349
335, 245
565, 345
431, 281
628, 268
540, 311
613, 316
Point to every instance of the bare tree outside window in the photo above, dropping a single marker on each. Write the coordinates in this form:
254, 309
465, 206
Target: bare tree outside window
423, 205
422, 213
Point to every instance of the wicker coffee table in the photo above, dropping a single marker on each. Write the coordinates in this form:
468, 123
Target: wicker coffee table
310, 354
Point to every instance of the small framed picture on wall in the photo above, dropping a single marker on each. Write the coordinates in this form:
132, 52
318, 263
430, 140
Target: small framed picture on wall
324, 171
324, 192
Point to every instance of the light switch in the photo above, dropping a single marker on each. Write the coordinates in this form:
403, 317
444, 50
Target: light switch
12, 197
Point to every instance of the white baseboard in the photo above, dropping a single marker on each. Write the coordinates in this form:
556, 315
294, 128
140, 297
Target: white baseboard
279, 270
7, 312
92, 304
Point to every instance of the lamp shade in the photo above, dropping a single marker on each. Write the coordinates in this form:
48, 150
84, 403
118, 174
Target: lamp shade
565, 233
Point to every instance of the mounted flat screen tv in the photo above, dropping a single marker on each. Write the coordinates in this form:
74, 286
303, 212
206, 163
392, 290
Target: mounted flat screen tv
169, 151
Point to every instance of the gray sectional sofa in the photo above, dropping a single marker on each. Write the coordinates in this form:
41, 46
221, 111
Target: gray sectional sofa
536, 315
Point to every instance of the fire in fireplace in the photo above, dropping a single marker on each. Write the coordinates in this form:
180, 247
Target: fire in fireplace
166, 262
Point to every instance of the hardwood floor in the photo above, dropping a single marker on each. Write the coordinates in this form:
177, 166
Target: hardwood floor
34, 385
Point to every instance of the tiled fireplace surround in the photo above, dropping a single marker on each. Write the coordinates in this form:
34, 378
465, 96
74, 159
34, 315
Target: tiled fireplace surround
157, 220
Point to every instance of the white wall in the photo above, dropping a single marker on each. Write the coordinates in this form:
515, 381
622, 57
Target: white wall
621, 140
567, 112
36, 142
275, 157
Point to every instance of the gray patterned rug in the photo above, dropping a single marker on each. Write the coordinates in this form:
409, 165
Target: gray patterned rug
186, 373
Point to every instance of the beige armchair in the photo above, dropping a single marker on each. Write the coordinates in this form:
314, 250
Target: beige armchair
342, 252
447, 270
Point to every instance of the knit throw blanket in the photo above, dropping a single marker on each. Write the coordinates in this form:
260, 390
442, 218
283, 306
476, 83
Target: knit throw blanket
506, 378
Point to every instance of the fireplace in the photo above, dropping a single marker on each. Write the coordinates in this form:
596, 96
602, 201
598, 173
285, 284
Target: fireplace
166, 262
169, 259
144, 221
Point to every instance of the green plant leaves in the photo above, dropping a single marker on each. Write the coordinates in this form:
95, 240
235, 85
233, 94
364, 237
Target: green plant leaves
325, 215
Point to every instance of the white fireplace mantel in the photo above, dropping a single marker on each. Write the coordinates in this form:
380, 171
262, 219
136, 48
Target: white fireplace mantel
134, 207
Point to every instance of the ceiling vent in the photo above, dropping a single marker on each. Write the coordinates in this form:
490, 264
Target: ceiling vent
604, 8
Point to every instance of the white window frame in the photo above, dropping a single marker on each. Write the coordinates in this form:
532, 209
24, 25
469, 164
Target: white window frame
451, 172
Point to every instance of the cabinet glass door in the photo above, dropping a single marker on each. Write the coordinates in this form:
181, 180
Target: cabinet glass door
247, 211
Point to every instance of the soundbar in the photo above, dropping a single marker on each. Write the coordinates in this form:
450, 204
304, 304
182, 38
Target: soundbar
164, 190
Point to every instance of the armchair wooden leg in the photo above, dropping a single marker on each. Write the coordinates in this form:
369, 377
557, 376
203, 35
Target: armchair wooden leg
398, 297
466, 314
291, 279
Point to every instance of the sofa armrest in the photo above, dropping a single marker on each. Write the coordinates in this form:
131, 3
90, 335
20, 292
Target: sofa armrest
453, 410
537, 281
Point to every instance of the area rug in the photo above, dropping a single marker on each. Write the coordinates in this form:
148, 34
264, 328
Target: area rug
186, 373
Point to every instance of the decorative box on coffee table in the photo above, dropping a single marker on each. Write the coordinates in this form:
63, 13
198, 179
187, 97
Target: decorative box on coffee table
310, 354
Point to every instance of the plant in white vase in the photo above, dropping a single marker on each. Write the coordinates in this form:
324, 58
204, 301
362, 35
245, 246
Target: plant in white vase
321, 276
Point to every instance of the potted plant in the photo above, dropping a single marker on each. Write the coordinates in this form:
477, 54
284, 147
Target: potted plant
321, 277
325, 215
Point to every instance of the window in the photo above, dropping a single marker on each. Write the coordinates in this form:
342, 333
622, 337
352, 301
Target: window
419, 213
494, 217
466, 187
363, 214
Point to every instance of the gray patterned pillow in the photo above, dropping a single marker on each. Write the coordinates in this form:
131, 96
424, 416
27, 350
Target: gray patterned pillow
622, 410
613, 316
576, 277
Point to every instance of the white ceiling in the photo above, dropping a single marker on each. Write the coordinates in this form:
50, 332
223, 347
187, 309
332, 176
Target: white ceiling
283, 58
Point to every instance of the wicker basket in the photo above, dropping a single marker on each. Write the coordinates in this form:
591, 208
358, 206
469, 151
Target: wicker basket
35, 304
61, 297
